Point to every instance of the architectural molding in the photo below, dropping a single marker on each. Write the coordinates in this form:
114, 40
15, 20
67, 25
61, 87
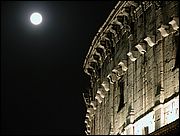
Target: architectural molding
93, 105
149, 41
132, 58
105, 84
140, 48
100, 92
98, 98
174, 25
163, 31
124, 68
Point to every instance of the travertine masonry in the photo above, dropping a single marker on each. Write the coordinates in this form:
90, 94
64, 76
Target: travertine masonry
141, 92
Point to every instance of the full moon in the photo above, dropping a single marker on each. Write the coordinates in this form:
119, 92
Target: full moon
36, 18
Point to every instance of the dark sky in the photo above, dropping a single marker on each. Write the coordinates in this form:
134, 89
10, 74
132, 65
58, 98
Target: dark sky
42, 77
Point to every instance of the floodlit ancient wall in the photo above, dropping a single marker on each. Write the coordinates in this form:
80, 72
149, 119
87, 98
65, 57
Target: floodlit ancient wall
134, 69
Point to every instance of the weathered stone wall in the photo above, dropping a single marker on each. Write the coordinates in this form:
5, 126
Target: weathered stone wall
150, 82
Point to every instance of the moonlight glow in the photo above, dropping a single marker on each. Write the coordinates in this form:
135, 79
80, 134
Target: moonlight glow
36, 18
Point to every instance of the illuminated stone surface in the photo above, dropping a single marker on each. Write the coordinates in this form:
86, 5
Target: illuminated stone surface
141, 84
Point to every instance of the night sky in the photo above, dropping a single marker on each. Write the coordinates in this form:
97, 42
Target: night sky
42, 77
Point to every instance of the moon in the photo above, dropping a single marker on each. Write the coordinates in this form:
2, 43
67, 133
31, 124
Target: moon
36, 18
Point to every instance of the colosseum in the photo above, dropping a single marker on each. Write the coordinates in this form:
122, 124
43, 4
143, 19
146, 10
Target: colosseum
134, 71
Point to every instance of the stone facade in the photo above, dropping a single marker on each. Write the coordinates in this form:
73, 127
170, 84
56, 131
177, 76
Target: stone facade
134, 70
